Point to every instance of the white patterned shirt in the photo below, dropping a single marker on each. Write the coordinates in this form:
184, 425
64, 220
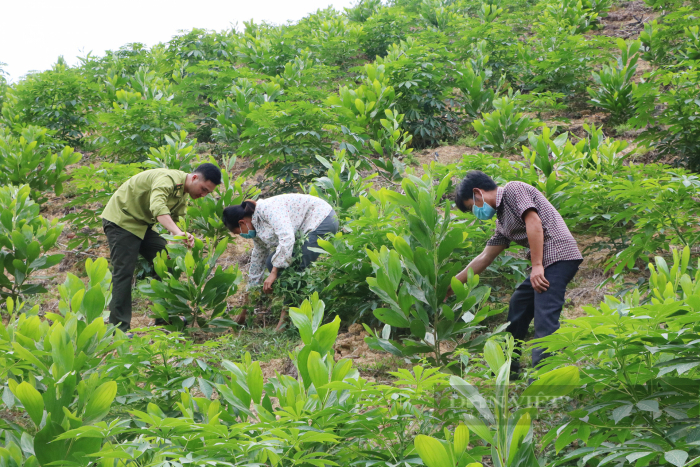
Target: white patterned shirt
277, 221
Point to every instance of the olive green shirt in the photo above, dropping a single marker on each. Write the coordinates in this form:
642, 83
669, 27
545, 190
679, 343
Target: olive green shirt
136, 205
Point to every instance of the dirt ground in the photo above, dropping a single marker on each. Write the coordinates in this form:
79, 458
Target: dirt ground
625, 20
585, 289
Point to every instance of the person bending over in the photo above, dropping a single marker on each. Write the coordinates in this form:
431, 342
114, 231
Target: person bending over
153, 196
524, 216
274, 224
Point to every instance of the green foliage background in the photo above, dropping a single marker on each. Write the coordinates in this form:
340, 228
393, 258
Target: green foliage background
340, 105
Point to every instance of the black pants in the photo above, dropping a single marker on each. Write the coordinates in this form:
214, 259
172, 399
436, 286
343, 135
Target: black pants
329, 225
545, 307
124, 250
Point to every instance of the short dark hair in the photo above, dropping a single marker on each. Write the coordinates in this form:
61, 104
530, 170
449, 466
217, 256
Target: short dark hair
465, 190
209, 172
233, 214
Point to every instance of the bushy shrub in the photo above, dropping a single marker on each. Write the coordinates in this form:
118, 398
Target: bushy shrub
504, 128
137, 124
573, 15
476, 97
192, 286
552, 60
283, 139
177, 154
638, 371
265, 49
29, 158
26, 238
61, 99
332, 37
674, 131
615, 86
413, 279
363, 10
200, 45
386, 27
417, 74
361, 109
232, 112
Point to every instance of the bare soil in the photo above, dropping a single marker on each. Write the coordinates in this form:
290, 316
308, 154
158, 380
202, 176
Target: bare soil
626, 20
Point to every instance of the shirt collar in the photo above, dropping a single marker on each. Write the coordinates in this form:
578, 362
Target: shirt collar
499, 196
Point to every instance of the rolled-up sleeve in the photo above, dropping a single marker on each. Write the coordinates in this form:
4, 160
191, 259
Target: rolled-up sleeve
257, 263
284, 229
162, 188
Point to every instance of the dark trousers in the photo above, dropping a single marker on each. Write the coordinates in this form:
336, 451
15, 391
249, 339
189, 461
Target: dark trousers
545, 307
329, 225
124, 250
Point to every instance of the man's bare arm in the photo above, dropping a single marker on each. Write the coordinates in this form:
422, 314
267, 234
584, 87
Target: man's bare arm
481, 262
535, 238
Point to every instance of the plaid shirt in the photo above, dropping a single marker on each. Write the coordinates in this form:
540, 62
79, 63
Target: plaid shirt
512, 200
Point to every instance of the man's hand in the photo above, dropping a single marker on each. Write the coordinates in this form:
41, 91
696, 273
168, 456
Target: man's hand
537, 279
166, 221
189, 241
267, 285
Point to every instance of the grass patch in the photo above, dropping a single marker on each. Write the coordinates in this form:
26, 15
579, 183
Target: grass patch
264, 344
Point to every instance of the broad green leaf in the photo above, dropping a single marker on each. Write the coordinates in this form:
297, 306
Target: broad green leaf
648, 405
402, 246
391, 317
522, 427
318, 373
31, 400
62, 349
493, 354
93, 304
676, 457
461, 439
326, 335
48, 451
303, 324
341, 369
471, 393
418, 329
555, 383
622, 412
431, 451
100, 401
254, 380
479, 428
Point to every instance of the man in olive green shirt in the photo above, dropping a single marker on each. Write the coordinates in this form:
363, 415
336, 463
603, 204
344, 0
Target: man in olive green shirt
153, 196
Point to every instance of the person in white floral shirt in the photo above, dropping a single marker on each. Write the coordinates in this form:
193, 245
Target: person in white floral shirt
274, 224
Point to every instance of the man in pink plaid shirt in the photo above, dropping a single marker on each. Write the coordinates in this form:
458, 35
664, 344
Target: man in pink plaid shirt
524, 216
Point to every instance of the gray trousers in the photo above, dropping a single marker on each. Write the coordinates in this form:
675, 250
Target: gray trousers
328, 226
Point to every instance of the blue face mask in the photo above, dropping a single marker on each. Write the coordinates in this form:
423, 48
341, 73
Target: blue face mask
249, 234
484, 212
